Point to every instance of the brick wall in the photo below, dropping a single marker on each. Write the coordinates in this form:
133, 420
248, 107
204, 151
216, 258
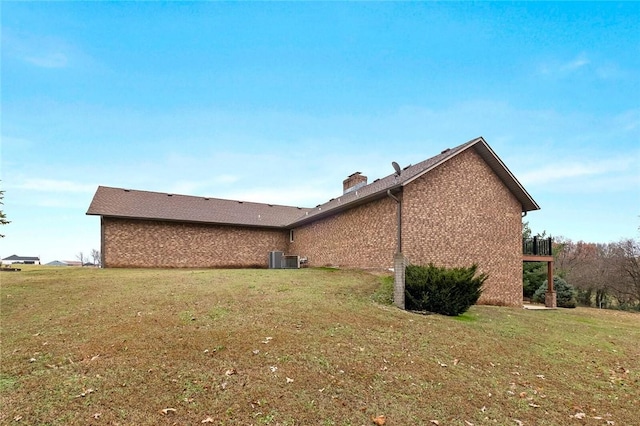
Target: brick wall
458, 214
362, 237
461, 213
142, 243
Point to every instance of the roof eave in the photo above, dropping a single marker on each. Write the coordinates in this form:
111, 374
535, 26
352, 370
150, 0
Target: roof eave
200, 222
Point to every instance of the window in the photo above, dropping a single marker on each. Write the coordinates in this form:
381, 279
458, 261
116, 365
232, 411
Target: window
291, 235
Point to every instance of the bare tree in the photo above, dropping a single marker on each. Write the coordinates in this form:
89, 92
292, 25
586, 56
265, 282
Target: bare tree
95, 255
3, 216
626, 284
80, 256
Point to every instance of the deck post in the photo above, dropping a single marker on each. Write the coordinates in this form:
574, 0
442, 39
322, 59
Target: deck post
550, 296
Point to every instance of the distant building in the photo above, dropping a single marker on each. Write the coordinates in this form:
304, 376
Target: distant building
24, 260
56, 263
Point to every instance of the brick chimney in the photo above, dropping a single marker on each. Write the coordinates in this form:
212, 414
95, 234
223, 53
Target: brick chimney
353, 182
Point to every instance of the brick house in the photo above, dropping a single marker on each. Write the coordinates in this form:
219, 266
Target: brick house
460, 207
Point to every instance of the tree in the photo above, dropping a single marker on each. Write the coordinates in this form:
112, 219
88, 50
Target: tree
3, 216
95, 255
533, 274
81, 257
626, 282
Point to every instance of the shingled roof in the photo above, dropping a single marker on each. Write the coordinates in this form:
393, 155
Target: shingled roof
117, 202
16, 258
393, 182
133, 204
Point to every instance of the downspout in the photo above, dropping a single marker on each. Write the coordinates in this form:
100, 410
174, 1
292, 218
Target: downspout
399, 210
399, 262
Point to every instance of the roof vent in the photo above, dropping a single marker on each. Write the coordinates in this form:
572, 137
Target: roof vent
127, 190
169, 195
445, 151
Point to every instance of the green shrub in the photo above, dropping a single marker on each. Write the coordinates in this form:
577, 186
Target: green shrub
565, 293
447, 291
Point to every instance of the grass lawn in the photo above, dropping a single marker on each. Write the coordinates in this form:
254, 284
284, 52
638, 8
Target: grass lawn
297, 347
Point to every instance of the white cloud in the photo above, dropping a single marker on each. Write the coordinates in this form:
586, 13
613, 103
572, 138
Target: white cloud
193, 187
41, 51
564, 68
563, 172
301, 196
53, 185
575, 64
48, 60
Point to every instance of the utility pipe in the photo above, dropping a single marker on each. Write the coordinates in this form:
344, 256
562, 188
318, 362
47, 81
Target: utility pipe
399, 210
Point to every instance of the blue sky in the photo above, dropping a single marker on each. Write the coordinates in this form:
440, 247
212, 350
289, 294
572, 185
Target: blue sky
279, 102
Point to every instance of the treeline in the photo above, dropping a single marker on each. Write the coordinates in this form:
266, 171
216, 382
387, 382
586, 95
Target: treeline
603, 275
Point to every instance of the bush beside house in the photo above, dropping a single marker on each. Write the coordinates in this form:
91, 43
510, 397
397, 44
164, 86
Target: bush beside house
447, 291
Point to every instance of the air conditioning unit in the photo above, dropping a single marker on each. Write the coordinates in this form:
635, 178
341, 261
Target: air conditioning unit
278, 260
291, 262
275, 259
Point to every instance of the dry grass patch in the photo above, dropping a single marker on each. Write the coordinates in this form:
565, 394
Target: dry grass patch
283, 347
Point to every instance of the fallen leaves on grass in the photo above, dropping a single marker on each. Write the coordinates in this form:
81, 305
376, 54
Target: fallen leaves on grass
85, 393
379, 420
289, 380
208, 420
231, 372
166, 411
435, 422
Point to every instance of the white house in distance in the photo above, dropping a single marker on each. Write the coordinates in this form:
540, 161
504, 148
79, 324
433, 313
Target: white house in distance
23, 260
